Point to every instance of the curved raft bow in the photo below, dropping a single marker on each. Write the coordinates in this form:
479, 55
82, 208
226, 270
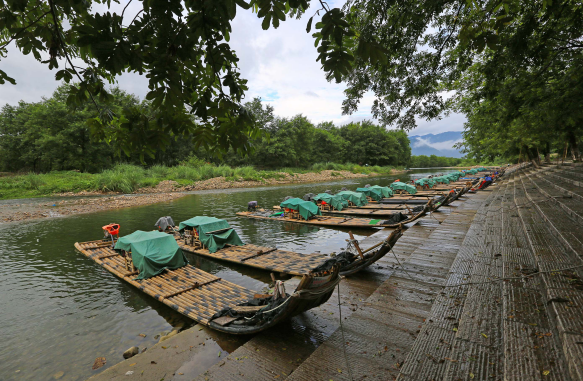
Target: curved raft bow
288, 262
215, 302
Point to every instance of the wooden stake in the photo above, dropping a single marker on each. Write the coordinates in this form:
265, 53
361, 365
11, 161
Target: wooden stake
356, 245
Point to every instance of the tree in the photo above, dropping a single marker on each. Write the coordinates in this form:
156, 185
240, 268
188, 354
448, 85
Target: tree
47, 136
431, 46
195, 87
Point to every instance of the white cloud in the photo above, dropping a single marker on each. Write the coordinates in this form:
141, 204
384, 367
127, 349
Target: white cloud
280, 65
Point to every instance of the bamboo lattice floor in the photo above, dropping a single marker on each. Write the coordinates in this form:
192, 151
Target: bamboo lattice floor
188, 290
266, 258
376, 212
348, 222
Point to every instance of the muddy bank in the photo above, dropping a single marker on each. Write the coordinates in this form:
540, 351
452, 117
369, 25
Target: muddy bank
165, 191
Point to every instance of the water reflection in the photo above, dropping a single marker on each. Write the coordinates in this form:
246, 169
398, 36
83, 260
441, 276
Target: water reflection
60, 311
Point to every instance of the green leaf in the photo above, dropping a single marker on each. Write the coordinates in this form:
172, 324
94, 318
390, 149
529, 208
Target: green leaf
243, 4
265, 23
309, 27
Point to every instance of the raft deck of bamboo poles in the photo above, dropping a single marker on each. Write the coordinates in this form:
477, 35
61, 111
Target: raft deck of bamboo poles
188, 290
265, 258
215, 302
288, 262
325, 221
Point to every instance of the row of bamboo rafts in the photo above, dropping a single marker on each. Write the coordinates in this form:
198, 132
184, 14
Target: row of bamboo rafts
342, 222
215, 302
379, 210
289, 262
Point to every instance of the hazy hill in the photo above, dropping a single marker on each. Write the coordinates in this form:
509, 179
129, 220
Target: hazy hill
436, 144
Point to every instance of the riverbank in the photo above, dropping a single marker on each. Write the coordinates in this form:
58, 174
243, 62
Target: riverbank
166, 190
128, 178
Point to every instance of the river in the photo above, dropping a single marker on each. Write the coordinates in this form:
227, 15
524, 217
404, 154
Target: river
59, 310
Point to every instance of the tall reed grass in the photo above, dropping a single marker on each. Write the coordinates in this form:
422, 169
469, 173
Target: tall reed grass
354, 168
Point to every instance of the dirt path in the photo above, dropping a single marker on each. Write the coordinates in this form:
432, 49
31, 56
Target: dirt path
165, 191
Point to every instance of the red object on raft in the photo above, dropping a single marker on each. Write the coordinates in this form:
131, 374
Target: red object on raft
112, 229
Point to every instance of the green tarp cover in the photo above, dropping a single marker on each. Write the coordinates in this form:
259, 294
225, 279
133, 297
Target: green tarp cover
375, 194
152, 252
307, 209
397, 185
473, 171
357, 198
205, 226
336, 201
454, 176
424, 181
385, 191
441, 180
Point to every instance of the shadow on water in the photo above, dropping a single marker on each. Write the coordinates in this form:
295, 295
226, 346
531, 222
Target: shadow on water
60, 311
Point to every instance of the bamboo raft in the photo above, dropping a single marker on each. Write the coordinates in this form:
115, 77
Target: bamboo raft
367, 212
340, 222
288, 262
215, 302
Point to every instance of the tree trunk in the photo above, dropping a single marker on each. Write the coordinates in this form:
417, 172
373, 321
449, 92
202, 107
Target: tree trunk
531, 156
547, 153
574, 147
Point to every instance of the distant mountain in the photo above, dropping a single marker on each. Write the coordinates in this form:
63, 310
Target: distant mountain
436, 144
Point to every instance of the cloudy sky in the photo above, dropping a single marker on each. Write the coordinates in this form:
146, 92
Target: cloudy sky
280, 65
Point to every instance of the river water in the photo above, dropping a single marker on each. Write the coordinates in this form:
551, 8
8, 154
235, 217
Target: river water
59, 310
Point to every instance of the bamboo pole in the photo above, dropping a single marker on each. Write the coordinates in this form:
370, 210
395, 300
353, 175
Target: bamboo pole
356, 244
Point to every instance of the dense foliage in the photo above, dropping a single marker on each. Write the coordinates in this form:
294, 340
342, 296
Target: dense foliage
183, 46
46, 136
515, 66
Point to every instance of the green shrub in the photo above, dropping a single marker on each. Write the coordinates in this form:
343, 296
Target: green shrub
33, 181
223, 170
183, 172
160, 171
124, 178
207, 171
193, 161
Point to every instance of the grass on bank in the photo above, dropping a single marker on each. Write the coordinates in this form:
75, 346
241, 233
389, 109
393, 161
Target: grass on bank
128, 178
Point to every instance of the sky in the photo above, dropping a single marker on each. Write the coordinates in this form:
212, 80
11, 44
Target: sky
280, 65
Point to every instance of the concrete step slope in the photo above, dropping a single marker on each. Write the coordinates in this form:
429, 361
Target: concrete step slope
556, 246
567, 229
377, 338
571, 177
460, 336
570, 187
573, 206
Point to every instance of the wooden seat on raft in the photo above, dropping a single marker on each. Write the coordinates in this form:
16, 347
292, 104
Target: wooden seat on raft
192, 238
129, 263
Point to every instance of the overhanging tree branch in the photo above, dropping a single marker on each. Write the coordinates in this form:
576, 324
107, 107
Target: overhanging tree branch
25, 28
62, 46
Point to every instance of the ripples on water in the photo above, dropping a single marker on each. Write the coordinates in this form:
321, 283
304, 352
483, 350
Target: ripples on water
59, 311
